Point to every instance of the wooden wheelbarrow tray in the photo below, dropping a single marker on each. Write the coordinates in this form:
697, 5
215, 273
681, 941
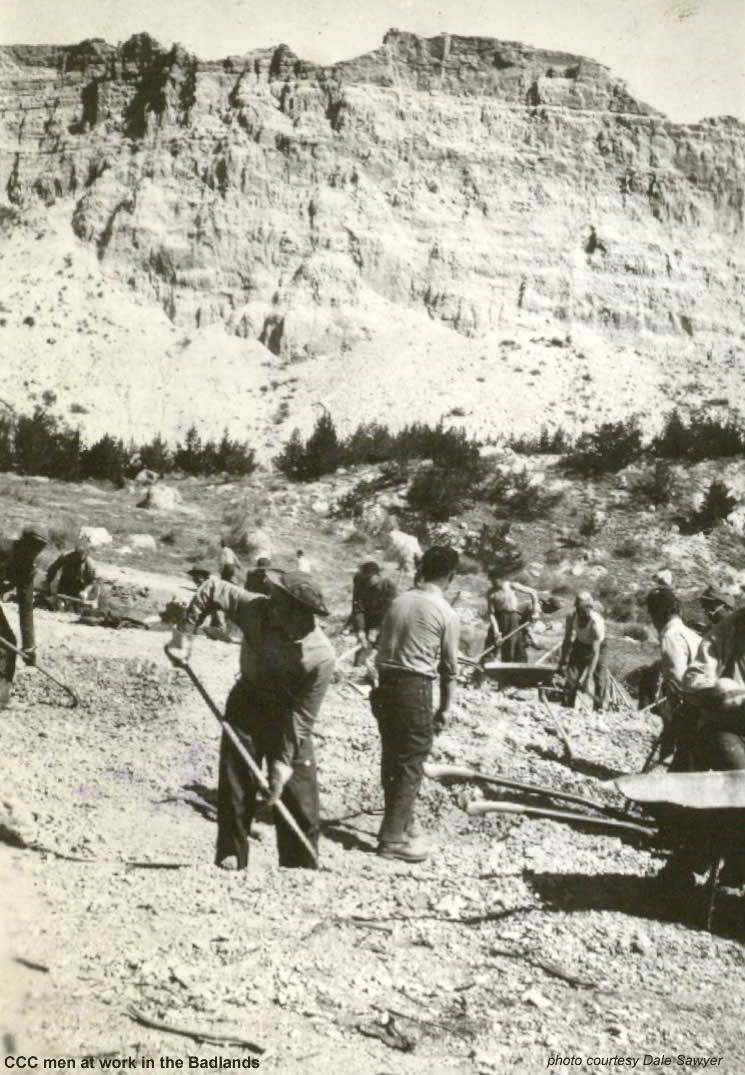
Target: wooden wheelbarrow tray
713, 792
515, 674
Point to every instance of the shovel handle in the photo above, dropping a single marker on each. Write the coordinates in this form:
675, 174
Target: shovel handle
480, 807
234, 739
75, 701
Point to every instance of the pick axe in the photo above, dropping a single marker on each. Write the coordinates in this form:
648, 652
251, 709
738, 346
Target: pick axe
231, 734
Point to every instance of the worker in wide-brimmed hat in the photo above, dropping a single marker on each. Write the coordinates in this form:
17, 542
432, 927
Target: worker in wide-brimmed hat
17, 562
286, 667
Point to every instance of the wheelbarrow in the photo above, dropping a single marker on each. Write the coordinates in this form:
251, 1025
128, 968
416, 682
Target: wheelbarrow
711, 804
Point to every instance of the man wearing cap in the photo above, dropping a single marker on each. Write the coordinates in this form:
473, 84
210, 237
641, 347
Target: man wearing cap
17, 562
286, 667
372, 594
418, 644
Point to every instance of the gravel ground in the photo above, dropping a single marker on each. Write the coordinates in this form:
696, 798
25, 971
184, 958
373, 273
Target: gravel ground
518, 940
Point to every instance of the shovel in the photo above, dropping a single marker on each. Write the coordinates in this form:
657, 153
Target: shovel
75, 701
459, 772
232, 736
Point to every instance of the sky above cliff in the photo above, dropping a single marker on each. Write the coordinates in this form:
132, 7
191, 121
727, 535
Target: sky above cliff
684, 57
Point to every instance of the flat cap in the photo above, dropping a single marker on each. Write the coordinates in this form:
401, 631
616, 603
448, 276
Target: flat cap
33, 533
300, 587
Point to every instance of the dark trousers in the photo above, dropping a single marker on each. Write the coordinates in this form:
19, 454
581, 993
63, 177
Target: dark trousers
402, 706
257, 722
580, 656
7, 660
515, 649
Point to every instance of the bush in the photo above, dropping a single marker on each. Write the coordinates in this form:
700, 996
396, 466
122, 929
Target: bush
556, 442
370, 443
495, 550
106, 460
610, 448
703, 436
439, 492
658, 487
43, 444
716, 506
156, 456
630, 548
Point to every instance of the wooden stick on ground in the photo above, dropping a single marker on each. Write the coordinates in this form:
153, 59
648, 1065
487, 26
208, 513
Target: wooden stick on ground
202, 1036
475, 809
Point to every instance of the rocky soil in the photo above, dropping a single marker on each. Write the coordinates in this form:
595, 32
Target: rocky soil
454, 225
519, 938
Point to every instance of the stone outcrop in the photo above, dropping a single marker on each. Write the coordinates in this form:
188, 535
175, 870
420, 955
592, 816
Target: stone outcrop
475, 200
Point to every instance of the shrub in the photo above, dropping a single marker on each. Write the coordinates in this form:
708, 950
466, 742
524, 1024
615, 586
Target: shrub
716, 506
370, 443
630, 548
439, 492
43, 444
156, 456
106, 460
610, 448
548, 442
495, 550
703, 436
659, 485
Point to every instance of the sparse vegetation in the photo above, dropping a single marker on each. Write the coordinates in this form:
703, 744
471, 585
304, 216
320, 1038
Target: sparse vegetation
717, 505
606, 450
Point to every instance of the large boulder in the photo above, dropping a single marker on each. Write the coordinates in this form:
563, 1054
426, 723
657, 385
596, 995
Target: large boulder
95, 536
143, 542
161, 498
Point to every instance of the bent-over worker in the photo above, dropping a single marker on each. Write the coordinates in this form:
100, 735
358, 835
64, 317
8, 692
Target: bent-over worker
583, 654
17, 561
76, 572
507, 612
286, 667
418, 643
372, 594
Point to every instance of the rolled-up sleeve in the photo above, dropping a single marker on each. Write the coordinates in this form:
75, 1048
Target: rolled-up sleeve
449, 658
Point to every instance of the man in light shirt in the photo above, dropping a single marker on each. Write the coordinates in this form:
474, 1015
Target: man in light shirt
716, 681
228, 562
418, 644
583, 654
678, 648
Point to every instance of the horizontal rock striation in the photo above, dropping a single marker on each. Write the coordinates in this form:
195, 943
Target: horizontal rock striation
482, 187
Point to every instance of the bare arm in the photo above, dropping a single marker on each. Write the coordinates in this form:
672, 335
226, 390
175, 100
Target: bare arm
215, 594
448, 665
519, 587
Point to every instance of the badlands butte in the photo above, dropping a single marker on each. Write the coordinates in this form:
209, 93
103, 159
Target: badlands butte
445, 226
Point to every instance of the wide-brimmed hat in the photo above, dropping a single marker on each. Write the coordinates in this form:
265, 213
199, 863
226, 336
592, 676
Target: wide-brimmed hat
300, 587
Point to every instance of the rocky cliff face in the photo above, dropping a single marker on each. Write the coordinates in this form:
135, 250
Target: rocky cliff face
452, 224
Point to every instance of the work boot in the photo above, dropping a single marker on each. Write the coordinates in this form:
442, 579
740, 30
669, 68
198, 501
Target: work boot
230, 863
405, 850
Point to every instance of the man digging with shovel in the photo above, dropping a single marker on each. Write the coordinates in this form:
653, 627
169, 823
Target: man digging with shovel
17, 562
286, 667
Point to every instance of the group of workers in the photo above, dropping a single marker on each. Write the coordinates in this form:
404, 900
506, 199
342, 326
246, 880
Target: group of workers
287, 662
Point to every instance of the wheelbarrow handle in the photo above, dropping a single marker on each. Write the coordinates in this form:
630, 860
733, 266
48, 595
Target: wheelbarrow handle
230, 732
